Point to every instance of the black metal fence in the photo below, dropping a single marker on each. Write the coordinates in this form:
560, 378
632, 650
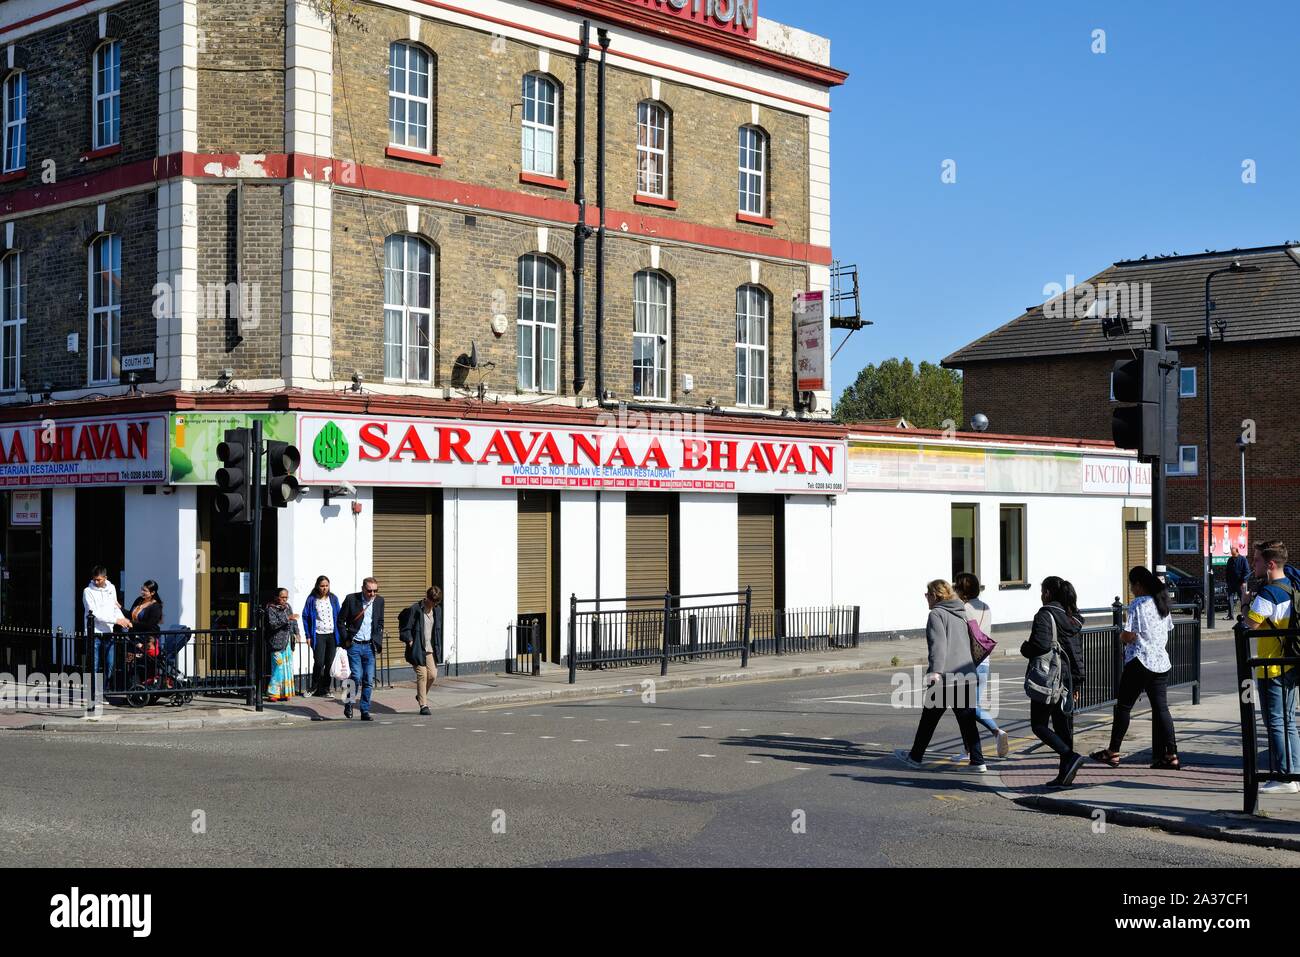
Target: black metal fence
138, 669
793, 631
677, 626
1103, 654
1249, 688
525, 642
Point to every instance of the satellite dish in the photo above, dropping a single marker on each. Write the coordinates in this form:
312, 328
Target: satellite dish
473, 355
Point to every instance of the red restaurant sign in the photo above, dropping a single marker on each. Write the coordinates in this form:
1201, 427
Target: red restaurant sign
739, 17
127, 450
455, 454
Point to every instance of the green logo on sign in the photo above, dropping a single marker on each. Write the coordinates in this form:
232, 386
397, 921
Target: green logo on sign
330, 448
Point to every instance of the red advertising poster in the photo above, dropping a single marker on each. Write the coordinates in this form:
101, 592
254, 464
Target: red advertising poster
1229, 533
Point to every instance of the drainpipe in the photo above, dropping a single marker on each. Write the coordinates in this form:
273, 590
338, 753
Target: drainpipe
581, 231
602, 38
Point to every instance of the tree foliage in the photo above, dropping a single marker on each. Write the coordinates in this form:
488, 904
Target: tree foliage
925, 395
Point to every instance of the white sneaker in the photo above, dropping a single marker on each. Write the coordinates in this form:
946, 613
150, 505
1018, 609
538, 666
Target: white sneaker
1279, 787
979, 768
905, 757
1004, 744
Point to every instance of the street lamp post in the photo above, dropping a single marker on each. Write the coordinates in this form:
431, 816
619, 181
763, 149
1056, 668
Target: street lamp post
1208, 570
1241, 444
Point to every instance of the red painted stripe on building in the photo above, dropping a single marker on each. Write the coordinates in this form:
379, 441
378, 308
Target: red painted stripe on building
773, 61
44, 16
304, 166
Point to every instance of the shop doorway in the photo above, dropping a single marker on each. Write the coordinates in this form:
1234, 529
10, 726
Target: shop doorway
760, 541
538, 564
100, 540
25, 585
407, 549
223, 565
1135, 552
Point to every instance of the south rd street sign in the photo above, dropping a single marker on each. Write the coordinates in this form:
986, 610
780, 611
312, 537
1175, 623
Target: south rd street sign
365, 450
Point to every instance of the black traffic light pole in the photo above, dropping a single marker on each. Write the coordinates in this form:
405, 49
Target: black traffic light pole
255, 561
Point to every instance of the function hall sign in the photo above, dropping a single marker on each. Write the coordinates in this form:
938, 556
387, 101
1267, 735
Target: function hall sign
731, 16
456, 454
119, 450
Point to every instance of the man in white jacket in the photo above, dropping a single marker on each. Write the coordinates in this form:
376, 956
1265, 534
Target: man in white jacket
99, 599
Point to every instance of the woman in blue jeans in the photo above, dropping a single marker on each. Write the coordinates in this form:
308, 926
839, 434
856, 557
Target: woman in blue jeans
968, 589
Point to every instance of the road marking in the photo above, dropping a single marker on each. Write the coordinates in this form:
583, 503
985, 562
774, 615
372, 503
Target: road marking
753, 762
568, 717
665, 724
622, 745
548, 737
803, 769
706, 755
385, 722
505, 732
449, 729
660, 750
579, 740
634, 722
744, 729
704, 727
602, 719
534, 716
478, 731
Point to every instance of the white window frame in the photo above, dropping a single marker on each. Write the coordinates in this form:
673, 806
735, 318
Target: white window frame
752, 178
107, 314
1112, 387
1182, 392
751, 356
1183, 459
13, 321
645, 329
540, 374
405, 102
399, 309
15, 127
535, 129
1184, 529
652, 168
109, 98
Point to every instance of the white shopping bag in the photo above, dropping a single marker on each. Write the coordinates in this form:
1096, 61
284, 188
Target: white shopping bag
339, 669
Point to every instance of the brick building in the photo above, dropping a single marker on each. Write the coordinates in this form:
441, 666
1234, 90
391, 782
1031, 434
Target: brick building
368, 219
1047, 373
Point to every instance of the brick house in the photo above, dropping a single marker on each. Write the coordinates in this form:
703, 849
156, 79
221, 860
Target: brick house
1046, 372
288, 215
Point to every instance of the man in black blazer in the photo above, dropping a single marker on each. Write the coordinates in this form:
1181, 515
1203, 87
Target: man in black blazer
363, 637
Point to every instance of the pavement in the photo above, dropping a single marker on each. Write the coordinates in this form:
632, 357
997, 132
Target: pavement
1202, 800
485, 690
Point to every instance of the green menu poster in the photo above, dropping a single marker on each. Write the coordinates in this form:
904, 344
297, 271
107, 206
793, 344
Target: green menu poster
195, 436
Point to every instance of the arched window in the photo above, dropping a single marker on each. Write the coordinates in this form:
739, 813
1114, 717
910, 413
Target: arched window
15, 122
538, 324
408, 309
105, 353
107, 73
753, 315
410, 97
753, 171
13, 319
541, 124
653, 129
651, 331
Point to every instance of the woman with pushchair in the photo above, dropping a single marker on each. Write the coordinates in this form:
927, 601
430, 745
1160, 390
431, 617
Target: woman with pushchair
142, 642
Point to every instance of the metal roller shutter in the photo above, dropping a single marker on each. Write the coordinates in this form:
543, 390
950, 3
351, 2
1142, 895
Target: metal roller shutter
649, 546
534, 553
403, 540
1135, 549
756, 548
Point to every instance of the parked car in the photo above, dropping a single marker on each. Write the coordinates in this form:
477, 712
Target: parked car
1186, 588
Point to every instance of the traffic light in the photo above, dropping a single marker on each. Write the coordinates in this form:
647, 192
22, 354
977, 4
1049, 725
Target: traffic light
235, 477
1151, 426
282, 460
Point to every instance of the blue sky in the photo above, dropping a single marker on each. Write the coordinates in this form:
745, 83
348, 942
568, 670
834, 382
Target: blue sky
1066, 160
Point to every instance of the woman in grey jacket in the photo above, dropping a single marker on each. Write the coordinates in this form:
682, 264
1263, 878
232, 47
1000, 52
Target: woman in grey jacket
950, 681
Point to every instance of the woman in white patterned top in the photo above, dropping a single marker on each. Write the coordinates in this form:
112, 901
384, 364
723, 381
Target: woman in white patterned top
1146, 668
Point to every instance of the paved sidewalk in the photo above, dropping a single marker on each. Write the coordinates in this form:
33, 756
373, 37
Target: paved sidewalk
478, 691
1203, 799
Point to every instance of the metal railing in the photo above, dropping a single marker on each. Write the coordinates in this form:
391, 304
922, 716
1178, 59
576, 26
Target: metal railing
140, 669
1103, 654
674, 628
525, 643
1247, 694
801, 630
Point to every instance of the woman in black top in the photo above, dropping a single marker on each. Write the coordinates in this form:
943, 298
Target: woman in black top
146, 623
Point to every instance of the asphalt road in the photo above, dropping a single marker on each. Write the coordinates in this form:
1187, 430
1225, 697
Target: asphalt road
795, 772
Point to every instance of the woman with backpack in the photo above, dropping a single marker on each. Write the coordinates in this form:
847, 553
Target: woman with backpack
968, 589
1146, 668
950, 680
1055, 674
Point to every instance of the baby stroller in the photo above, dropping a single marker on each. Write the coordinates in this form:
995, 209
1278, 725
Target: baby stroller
154, 672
